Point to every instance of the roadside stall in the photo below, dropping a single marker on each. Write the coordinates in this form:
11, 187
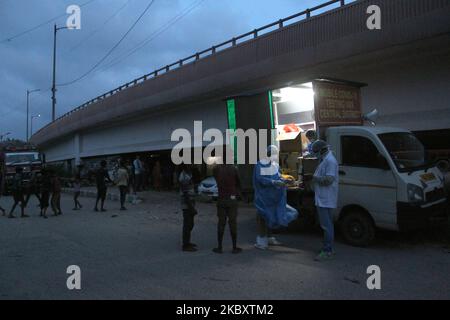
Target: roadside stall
302, 113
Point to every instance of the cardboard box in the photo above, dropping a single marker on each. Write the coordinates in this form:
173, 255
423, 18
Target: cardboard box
290, 142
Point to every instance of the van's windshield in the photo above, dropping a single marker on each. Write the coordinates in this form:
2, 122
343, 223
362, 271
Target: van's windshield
406, 150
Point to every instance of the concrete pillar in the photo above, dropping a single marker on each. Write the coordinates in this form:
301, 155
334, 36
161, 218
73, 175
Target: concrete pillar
77, 149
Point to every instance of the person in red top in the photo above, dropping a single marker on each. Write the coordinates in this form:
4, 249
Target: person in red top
229, 186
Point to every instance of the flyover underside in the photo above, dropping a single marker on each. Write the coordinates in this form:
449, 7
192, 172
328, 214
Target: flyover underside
148, 133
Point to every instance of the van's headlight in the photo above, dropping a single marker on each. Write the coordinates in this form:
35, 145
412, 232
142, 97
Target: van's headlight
415, 193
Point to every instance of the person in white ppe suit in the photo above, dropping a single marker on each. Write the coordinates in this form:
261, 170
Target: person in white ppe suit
270, 199
326, 185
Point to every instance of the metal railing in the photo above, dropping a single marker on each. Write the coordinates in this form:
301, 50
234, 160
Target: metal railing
280, 24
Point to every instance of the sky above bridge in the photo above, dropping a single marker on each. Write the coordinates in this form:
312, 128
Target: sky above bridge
170, 30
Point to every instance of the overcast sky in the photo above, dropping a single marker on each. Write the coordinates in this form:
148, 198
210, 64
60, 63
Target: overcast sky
26, 61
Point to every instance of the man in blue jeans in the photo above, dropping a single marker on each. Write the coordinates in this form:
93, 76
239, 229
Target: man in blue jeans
326, 184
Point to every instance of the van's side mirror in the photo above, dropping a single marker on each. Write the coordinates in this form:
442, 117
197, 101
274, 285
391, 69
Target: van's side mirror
382, 163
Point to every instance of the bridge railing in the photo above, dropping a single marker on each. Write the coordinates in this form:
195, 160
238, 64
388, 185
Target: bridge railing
243, 38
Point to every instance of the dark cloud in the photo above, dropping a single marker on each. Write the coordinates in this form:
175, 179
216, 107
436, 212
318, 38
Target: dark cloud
26, 62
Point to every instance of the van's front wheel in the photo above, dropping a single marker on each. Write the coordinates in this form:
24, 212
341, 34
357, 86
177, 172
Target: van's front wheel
357, 228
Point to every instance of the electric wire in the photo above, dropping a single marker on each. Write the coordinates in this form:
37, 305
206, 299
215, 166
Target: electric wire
22, 33
111, 50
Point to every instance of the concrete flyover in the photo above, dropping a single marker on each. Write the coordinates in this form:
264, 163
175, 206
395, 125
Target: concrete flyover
406, 65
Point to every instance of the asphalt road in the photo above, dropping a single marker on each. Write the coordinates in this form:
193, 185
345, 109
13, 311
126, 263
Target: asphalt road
136, 255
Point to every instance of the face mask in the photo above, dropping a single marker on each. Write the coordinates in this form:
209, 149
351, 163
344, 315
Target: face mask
320, 155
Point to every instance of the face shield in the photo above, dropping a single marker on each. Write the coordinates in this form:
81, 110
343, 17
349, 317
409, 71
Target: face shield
273, 153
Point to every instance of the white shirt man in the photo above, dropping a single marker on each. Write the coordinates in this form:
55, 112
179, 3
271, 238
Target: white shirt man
326, 185
327, 190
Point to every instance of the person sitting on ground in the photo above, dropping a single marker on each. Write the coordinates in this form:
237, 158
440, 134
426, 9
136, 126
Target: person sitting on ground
18, 193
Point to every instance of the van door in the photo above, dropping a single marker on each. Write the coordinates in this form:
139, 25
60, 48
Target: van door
367, 180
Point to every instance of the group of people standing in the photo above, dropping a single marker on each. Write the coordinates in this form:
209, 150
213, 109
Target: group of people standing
270, 201
144, 176
229, 186
129, 176
122, 181
270, 190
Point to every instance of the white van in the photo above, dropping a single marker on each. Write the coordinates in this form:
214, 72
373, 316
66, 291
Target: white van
385, 182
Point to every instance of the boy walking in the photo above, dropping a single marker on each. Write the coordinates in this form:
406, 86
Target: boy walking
101, 177
18, 193
122, 182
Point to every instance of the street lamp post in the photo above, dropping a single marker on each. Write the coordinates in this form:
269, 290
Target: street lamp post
55, 30
28, 109
32, 118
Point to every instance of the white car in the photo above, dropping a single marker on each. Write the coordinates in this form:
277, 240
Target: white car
208, 187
